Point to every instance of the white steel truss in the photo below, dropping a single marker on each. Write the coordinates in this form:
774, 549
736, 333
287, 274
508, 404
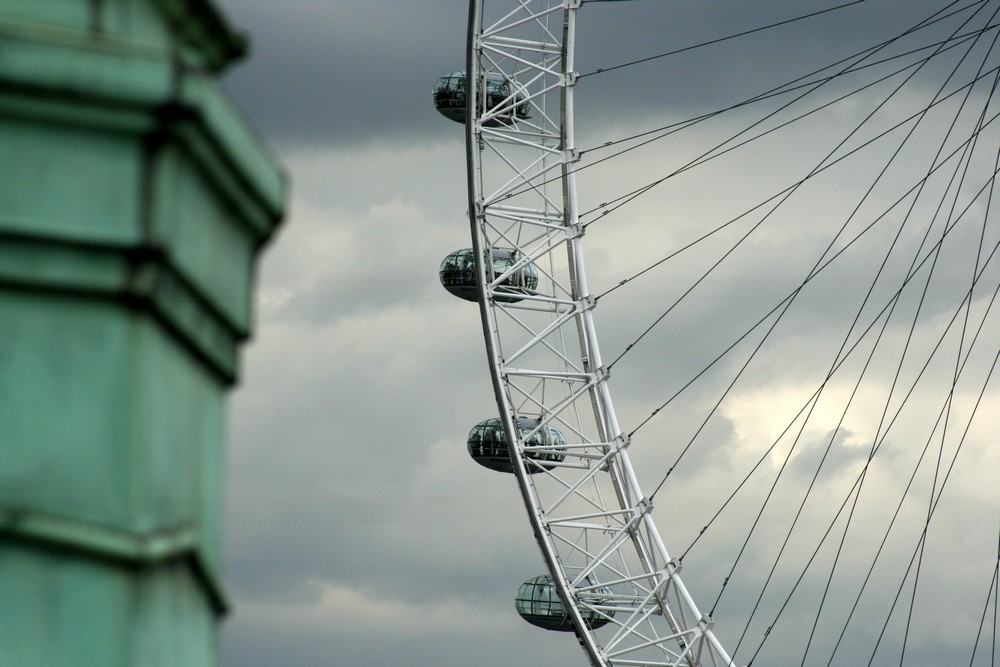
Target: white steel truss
593, 525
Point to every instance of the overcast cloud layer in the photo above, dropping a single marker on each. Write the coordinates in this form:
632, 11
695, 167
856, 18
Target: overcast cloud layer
359, 532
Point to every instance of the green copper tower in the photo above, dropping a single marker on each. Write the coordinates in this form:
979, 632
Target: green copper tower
133, 202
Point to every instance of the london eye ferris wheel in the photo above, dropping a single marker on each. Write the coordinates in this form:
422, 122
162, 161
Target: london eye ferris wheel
610, 578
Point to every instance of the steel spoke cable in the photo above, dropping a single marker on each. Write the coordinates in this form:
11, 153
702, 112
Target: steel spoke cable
992, 254
874, 321
708, 155
784, 89
778, 91
813, 402
934, 482
843, 413
789, 299
881, 440
837, 554
911, 190
851, 492
871, 569
685, 294
673, 128
885, 536
789, 87
922, 540
747, 333
886, 309
784, 300
713, 151
864, 334
833, 163
991, 597
996, 613
785, 194
967, 148
717, 40
847, 525
607, 207
878, 441
944, 430
860, 482
996, 571
876, 446
857, 496
804, 423
934, 506
601, 427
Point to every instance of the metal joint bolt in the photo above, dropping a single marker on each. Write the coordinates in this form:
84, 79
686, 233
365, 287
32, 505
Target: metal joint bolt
601, 374
623, 441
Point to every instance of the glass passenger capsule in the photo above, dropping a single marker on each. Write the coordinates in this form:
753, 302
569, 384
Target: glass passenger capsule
538, 603
488, 445
458, 275
449, 97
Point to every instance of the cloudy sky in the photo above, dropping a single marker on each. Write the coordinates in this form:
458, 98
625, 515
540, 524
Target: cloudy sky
360, 533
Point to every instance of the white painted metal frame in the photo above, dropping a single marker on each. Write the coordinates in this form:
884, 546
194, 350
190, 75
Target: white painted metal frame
593, 525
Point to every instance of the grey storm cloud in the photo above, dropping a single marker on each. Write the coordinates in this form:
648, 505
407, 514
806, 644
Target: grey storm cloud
360, 533
344, 71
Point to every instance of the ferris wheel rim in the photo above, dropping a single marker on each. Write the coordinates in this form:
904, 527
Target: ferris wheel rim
617, 461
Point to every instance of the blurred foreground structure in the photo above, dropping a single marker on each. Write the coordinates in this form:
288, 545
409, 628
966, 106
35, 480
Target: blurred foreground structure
133, 202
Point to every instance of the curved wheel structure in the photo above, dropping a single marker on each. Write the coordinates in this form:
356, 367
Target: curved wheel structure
592, 522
